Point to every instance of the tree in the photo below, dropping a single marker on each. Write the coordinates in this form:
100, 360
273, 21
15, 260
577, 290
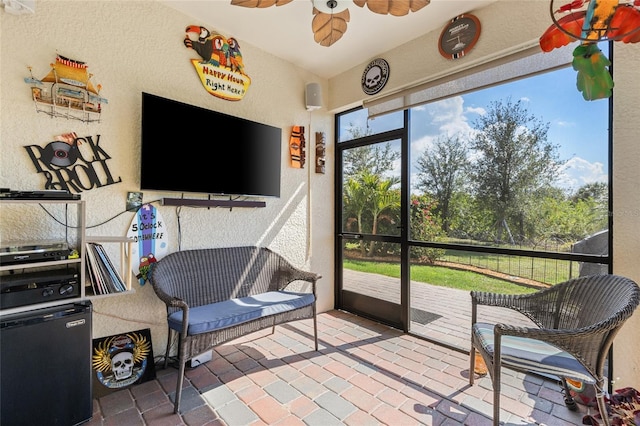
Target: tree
355, 202
513, 160
368, 197
546, 218
374, 159
598, 191
440, 173
425, 227
382, 198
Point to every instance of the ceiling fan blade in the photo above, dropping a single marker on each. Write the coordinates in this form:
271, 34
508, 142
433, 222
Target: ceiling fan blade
393, 7
329, 27
259, 3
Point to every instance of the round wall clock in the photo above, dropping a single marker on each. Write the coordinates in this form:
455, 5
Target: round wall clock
459, 36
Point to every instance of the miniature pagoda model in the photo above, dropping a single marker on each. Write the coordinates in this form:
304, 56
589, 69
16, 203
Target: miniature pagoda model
67, 91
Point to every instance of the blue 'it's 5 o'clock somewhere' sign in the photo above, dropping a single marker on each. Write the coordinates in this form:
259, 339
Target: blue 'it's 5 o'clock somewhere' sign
147, 229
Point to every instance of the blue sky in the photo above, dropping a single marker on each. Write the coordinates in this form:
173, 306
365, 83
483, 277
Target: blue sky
578, 127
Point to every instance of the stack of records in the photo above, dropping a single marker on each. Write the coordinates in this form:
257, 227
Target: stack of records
104, 277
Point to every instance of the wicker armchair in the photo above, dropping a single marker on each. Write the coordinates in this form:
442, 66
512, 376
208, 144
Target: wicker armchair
576, 320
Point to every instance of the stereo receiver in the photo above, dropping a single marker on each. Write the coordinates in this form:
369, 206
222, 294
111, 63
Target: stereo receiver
38, 287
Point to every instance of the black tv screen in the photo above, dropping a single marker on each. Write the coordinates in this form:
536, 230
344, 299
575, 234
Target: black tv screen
186, 148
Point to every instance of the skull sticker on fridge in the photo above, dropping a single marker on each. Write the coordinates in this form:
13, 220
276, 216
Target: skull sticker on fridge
375, 76
121, 360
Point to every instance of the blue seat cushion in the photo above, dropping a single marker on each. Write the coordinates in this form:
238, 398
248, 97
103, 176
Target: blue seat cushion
232, 312
533, 355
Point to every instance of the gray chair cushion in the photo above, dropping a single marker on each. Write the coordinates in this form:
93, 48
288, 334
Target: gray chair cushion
533, 355
228, 313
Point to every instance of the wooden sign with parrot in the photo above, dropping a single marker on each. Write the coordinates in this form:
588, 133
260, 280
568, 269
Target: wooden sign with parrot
220, 67
591, 22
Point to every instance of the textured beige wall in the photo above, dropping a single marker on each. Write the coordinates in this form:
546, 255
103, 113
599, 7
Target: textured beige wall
136, 46
626, 202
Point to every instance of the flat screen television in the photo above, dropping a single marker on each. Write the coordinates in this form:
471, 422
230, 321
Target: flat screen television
186, 148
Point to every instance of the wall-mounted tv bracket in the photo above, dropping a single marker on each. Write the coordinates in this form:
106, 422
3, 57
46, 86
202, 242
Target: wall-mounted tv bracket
194, 202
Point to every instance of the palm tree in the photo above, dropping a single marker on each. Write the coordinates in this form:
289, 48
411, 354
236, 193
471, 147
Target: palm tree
355, 203
381, 198
369, 193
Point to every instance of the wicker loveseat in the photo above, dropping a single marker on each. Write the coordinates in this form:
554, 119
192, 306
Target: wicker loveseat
219, 294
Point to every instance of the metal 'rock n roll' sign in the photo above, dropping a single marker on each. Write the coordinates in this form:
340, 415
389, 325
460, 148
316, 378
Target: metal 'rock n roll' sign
220, 67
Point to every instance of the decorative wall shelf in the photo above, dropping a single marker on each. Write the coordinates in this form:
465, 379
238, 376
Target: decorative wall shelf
67, 91
84, 290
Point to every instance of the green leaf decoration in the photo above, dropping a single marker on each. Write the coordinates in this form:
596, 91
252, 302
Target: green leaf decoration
594, 79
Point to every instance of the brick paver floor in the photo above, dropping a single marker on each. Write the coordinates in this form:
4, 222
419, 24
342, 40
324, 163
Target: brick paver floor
364, 374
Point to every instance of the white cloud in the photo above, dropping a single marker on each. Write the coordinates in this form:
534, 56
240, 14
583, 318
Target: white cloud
449, 117
423, 143
476, 110
578, 172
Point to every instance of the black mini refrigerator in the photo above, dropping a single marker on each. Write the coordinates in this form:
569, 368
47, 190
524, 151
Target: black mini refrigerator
45, 366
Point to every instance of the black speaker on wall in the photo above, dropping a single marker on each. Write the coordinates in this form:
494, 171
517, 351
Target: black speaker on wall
313, 96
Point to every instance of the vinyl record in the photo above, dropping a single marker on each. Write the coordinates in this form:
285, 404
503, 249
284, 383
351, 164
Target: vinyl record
60, 154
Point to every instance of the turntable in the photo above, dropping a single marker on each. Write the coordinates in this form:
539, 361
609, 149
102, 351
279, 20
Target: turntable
45, 194
18, 252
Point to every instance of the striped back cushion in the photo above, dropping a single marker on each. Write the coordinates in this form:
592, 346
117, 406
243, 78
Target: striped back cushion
533, 355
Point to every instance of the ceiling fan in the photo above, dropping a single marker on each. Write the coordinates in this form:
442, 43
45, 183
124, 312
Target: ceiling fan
330, 17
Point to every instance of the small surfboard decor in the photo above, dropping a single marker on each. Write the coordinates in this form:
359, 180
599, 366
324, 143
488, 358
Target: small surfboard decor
152, 243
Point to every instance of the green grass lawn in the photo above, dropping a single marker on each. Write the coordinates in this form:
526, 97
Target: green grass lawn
441, 276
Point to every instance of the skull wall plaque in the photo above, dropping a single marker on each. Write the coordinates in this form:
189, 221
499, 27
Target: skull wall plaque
375, 76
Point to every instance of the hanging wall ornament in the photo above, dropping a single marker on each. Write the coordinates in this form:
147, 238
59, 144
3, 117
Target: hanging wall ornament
375, 76
297, 147
220, 67
73, 163
152, 242
320, 152
459, 36
67, 91
591, 22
